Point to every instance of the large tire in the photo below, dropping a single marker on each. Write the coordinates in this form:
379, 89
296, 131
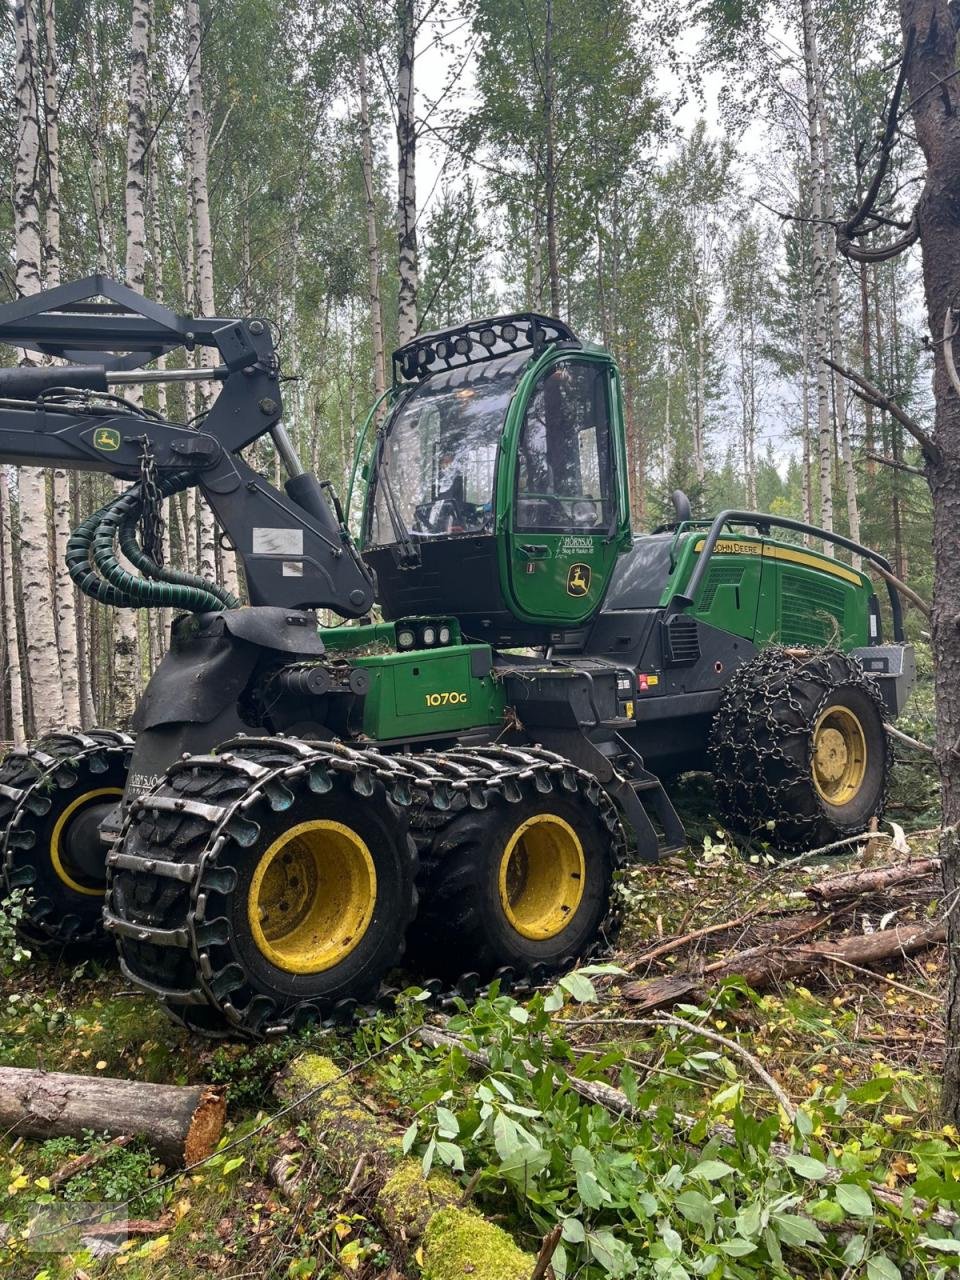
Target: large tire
52, 796
799, 751
519, 881
264, 887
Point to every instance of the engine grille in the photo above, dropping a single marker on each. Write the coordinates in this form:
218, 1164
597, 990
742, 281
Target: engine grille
811, 612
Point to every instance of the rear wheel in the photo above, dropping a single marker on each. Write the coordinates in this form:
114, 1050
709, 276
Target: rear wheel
799, 750
263, 887
522, 883
53, 797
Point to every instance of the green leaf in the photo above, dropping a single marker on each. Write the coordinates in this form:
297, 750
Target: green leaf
695, 1208
873, 1090
553, 1003
736, 1248
573, 1231
581, 988
427, 1163
232, 1164
806, 1166
519, 1014
749, 1220
711, 1170
590, 1191
794, 1230
854, 1199
948, 1245
409, 1137
826, 1211
856, 1248
447, 1123
451, 1155
880, 1267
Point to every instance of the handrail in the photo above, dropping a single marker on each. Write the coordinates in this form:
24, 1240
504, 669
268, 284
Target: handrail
764, 522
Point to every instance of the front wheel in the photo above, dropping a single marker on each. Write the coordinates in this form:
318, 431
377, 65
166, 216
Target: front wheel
264, 887
799, 750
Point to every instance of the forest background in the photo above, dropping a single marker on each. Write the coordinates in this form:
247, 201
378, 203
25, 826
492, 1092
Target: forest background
664, 179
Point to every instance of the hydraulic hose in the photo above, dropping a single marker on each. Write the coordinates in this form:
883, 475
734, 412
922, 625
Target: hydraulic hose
93, 565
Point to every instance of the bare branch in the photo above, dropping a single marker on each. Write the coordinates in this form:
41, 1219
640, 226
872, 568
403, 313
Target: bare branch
873, 395
896, 464
854, 224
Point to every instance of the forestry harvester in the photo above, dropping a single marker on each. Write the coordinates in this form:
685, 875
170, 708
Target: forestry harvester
460, 775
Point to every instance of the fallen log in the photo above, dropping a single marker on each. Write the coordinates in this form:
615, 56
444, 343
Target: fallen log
419, 1214
182, 1123
764, 966
854, 884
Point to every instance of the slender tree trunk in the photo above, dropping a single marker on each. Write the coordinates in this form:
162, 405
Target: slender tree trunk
10, 635
43, 660
98, 168
865, 353
836, 335
821, 337
199, 132
550, 168
407, 176
373, 237
63, 588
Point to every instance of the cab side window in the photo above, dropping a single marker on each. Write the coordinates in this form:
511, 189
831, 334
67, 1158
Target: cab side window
564, 468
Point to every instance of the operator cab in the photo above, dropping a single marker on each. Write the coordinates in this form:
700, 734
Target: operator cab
496, 492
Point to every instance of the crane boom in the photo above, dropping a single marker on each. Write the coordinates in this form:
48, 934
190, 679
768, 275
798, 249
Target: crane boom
295, 550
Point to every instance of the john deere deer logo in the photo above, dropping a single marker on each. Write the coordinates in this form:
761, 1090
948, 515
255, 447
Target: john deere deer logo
106, 440
578, 580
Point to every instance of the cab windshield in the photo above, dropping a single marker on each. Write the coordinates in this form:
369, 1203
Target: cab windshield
439, 452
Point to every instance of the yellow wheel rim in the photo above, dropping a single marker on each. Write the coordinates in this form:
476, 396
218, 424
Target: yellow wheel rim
542, 872
839, 755
312, 897
56, 840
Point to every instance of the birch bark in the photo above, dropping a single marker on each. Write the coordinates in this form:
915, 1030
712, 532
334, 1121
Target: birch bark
42, 656
821, 338
407, 177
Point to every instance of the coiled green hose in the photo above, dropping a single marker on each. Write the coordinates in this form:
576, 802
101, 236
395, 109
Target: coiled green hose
93, 565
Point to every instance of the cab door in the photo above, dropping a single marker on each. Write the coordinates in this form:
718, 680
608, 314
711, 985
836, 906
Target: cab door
568, 513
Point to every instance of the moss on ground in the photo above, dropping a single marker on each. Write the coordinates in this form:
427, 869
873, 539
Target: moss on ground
408, 1201
458, 1243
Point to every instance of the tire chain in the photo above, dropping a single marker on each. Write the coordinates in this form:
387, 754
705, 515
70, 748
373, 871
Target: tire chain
759, 715
432, 786
26, 774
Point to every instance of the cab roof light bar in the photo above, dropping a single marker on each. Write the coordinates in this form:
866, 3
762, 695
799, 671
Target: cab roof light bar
477, 342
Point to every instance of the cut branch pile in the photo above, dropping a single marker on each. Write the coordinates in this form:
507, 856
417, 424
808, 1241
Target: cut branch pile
770, 962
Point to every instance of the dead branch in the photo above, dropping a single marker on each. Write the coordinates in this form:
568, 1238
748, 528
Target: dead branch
736, 1048
852, 884
873, 395
79, 1163
676, 943
765, 966
896, 464
547, 1249
905, 738
908, 593
854, 225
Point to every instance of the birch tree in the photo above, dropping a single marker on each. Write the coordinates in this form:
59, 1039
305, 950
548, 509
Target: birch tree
407, 175
373, 233
42, 656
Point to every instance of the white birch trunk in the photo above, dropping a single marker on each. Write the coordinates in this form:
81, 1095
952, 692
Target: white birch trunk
63, 588
373, 238
407, 178
10, 637
199, 141
42, 656
821, 337
836, 336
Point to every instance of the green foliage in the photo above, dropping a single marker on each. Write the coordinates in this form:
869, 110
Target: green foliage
12, 950
715, 1195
